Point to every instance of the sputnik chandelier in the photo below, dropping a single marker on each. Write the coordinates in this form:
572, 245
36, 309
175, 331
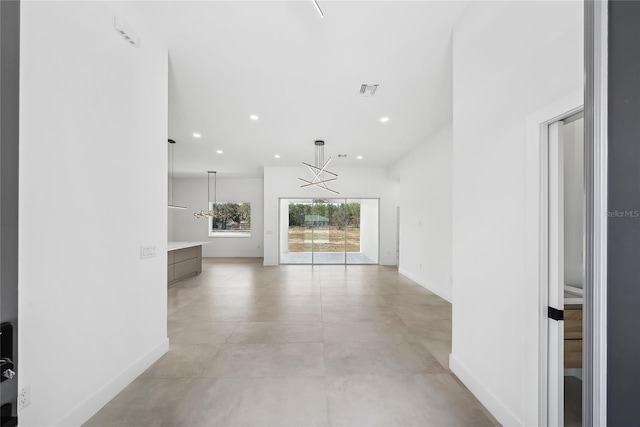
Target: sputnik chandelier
319, 171
210, 213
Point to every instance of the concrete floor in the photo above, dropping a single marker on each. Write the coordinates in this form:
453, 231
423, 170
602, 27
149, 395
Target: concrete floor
300, 346
572, 402
325, 258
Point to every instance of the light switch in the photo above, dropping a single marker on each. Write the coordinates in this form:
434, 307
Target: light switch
147, 252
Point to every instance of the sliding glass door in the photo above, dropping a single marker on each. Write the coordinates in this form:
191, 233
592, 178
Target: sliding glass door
329, 239
329, 231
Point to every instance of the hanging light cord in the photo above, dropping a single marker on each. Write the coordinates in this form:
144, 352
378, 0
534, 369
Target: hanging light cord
210, 212
170, 186
171, 178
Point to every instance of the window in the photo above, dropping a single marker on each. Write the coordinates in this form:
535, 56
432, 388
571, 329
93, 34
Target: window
230, 220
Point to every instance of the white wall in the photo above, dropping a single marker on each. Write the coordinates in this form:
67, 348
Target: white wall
352, 183
192, 193
510, 60
574, 203
93, 168
426, 175
284, 225
171, 224
369, 223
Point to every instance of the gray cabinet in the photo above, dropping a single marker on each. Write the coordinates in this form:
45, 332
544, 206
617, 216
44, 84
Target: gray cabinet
183, 263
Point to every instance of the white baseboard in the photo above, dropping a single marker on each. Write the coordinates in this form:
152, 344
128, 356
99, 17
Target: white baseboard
488, 399
442, 293
92, 404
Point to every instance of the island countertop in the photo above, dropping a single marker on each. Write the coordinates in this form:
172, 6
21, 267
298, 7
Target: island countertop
173, 246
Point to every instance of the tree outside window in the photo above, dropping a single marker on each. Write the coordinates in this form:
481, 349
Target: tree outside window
230, 220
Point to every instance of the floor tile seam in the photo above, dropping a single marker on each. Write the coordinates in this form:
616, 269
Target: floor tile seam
279, 321
261, 376
226, 341
171, 377
326, 399
388, 372
263, 344
203, 321
321, 310
172, 406
278, 342
390, 375
255, 377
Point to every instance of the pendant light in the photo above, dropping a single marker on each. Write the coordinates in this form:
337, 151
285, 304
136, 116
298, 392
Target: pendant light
319, 170
171, 205
210, 213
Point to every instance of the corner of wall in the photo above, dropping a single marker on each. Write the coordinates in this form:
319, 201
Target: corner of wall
493, 404
96, 400
441, 292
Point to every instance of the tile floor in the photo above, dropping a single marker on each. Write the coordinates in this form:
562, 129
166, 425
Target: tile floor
572, 402
325, 258
300, 346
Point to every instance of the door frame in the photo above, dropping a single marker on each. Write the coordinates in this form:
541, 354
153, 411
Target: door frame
346, 263
553, 264
537, 252
564, 109
9, 199
596, 42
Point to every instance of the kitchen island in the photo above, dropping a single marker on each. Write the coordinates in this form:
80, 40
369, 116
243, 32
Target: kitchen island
184, 259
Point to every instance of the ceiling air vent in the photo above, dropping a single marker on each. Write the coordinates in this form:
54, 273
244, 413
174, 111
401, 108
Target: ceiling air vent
368, 89
126, 32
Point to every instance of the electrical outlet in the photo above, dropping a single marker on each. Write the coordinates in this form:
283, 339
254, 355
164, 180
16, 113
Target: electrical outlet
24, 397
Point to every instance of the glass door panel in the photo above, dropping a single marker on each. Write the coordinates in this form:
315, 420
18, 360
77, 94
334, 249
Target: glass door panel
328, 231
296, 233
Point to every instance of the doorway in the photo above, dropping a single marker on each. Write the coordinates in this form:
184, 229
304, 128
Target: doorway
9, 163
566, 234
329, 231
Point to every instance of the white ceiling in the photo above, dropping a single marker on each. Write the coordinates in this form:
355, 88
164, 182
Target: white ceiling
301, 74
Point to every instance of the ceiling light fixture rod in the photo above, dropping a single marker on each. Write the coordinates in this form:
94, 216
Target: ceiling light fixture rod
309, 183
171, 205
318, 8
210, 212
315, 184
319, 170
215, 185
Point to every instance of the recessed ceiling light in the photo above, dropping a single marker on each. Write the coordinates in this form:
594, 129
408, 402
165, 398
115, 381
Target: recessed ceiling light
254, 117
197, 135
219, 151
384, 119
359, 157
277, 156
